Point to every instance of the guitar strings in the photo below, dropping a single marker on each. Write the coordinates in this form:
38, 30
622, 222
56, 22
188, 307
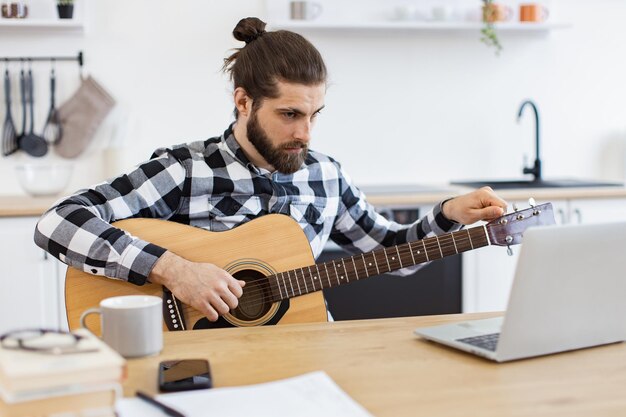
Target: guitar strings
306, 280
259, 297
257, 293
404, 251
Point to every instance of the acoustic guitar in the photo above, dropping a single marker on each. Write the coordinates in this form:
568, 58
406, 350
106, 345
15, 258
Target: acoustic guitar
273, 256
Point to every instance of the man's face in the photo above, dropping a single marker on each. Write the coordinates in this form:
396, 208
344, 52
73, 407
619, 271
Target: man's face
280, 128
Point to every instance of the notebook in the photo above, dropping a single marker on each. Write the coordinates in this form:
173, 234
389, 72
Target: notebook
26, 375
569, 292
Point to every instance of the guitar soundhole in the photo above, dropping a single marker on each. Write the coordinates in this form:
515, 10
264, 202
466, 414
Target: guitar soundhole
256, 299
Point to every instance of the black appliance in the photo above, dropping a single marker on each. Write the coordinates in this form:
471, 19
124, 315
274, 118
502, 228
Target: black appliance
434, 289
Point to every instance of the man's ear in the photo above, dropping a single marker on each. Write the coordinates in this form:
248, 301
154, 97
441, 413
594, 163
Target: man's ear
243, 102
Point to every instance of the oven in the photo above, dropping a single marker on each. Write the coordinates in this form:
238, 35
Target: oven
434, 289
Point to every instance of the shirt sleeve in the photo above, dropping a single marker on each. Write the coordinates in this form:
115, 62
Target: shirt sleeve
359, 228
77, 229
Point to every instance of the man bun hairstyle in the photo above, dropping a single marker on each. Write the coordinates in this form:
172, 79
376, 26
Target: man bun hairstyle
269, 57
249, 29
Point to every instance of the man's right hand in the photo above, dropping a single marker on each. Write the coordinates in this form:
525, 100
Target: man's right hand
203, 286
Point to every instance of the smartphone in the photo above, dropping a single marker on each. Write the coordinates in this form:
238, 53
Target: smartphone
183, 375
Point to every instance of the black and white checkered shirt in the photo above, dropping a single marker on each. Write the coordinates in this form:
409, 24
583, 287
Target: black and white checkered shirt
211, 184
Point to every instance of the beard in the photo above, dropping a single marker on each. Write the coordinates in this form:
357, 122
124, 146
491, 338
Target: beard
277, 156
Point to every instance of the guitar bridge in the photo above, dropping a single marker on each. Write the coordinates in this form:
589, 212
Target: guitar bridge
173, 315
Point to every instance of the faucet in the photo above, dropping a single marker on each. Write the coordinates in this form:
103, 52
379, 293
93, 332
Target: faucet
536, 169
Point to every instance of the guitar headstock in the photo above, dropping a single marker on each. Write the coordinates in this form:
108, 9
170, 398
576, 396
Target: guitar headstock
509, 229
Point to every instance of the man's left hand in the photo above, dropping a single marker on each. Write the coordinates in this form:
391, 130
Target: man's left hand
482, 204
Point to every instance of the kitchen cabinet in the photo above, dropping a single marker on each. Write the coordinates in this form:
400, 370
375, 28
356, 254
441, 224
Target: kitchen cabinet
30, 284
587, 211
488, 272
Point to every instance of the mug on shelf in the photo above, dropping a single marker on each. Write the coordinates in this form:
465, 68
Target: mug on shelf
15, 10
442, 13
533, 12
304, 10
131, 324
496, 12
405, 12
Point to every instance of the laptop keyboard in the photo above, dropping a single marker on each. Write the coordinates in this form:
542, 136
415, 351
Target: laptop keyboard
485, 341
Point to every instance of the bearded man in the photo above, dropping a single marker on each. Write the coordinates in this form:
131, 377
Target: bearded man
261, 164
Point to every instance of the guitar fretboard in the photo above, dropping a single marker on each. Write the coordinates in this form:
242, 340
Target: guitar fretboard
329, 274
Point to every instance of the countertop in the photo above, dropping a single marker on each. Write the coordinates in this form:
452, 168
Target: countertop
380, 196
22, 206
410, 195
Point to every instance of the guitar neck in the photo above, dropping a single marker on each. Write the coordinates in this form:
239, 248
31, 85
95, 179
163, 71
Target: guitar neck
333, 273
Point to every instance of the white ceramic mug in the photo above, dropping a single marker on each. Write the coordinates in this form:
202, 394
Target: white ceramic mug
305, 10
406, 12
442, 13
131, 324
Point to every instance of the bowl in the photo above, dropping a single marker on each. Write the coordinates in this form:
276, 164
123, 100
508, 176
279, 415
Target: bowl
44, 179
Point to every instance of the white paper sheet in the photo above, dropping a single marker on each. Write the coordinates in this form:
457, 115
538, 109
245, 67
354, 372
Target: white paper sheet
310, 395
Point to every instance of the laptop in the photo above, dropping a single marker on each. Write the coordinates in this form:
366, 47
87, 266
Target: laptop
569, 292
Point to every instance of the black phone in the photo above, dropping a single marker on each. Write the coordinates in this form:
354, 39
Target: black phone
185, 374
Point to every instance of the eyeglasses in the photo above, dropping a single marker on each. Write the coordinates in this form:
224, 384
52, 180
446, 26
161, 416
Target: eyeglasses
54, 342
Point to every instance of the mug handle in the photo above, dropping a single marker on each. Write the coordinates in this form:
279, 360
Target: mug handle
83, 317
317, 10
546, 13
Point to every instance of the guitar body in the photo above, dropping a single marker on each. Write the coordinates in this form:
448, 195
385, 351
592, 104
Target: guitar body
262, 247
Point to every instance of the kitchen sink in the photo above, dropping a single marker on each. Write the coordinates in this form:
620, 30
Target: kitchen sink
558, 183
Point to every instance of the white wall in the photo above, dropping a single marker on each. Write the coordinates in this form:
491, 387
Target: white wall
403, 106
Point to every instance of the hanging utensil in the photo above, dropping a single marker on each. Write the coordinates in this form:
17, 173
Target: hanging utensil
9, 135
52, 131
23, 100
31, 143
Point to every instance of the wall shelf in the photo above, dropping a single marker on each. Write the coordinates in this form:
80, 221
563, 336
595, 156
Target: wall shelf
70, 25
418, 26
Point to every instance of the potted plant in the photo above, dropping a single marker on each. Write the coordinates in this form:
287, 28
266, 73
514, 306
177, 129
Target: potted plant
489, 36
65, 8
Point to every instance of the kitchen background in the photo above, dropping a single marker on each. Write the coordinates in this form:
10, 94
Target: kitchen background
403, 105
410, 102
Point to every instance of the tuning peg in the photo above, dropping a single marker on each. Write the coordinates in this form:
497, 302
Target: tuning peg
509, 251
532, 202
515, 208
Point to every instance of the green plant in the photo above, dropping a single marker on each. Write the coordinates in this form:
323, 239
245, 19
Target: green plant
488, 32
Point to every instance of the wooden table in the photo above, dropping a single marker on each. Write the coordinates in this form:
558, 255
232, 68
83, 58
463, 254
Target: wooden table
383, 366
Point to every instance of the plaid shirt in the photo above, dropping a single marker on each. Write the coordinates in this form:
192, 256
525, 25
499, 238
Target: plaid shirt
211, 184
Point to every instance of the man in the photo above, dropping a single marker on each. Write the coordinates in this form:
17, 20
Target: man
260, 165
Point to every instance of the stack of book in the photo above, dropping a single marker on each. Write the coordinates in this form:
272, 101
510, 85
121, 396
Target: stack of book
35, 384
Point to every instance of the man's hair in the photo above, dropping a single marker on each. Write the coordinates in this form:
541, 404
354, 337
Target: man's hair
269, 57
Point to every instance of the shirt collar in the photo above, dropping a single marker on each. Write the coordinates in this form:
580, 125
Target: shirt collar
233, 147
